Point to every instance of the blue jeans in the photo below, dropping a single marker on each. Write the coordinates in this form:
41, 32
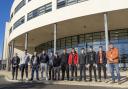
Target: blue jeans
44, 68
35, 68
115, 67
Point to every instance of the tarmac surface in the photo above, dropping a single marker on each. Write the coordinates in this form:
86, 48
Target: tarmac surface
40, 85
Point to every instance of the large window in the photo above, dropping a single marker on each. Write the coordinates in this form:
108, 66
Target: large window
68, 42
58, 44
48, 7
19, 22
74, 41
70, 2
20, 5
39, 11
29, 0
63, 3
63, 43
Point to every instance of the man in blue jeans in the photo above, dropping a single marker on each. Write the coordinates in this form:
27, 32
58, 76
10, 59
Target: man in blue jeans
35, 63
113, 60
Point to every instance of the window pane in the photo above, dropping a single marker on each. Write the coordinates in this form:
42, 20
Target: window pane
39, 11
61, 3
70, 2
48, 7
19, 22
20, 5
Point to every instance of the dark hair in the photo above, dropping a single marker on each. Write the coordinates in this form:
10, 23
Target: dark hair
82, 48
91, 47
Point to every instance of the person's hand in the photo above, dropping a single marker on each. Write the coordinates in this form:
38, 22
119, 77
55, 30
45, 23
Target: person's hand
13, 65
88, 65
78, 65
111, 60
94, 65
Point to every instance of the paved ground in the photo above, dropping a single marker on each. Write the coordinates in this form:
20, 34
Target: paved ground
58, 84
36, 85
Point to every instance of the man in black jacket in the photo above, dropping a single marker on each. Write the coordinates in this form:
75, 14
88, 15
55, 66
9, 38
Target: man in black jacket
101, 62
50, 66
56, 66
15, 65
44, 64
82, 64
64, 64
92, 63
35, 63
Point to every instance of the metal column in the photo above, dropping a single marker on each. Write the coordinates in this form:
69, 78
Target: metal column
55, 36
106, 30
26, 42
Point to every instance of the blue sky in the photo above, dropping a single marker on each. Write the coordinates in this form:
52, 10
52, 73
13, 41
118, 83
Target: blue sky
5, 6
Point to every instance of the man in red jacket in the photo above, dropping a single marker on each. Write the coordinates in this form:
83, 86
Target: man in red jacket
73, 61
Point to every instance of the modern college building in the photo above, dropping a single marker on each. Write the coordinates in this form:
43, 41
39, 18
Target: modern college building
58, 24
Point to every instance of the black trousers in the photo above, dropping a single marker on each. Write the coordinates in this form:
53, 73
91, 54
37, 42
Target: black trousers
73, 69
100, 66
92, 67
14, 72
51, 72
57, 73
65, 68
35, 68
82, 71
24, 67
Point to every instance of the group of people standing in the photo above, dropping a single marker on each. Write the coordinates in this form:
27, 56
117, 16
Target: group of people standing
57, 66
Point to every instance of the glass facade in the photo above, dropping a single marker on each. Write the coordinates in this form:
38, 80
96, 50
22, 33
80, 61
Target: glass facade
19, 22
39, 11
19, 6
118, 37
63, 3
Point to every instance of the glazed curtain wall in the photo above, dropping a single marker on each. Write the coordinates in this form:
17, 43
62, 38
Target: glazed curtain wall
118, 37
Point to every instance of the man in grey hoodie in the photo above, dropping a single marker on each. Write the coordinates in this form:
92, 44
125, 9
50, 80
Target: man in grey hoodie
82, 64
50, 66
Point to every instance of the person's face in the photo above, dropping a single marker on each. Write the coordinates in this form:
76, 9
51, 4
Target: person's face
16, 54
64, 51
43, 52
111, 46
73, 51
82, 51
35, 53
25, 52
100, 49
90, 49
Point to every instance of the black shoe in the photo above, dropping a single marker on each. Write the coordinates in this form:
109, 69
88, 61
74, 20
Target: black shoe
49, 79
37, 79
62, 79
90, 80
12, 78
71, 79
31, 79
80, 79
85, 80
